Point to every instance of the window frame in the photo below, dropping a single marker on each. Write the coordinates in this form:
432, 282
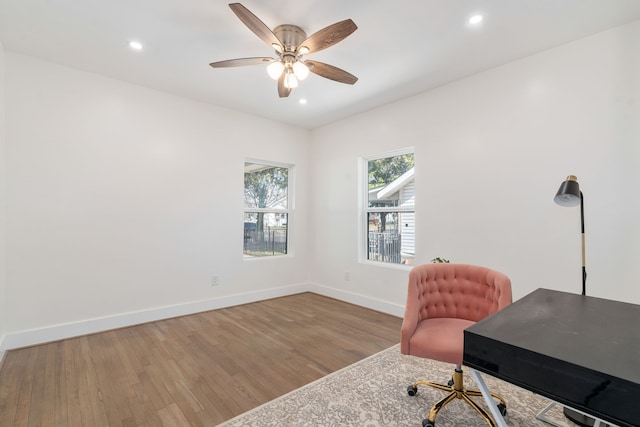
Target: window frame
289, 210
365, 210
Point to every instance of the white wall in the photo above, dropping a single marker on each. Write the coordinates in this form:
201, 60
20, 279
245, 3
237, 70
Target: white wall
122, 199
2, 206
122, 202
491, 151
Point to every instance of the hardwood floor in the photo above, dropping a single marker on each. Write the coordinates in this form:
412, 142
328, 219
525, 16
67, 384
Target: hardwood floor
197, 370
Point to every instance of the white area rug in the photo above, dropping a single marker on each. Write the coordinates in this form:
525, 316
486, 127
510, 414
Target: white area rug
373, 392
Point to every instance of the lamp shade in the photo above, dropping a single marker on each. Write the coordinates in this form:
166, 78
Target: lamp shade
275, 69
569, 192
290, 80
300, 70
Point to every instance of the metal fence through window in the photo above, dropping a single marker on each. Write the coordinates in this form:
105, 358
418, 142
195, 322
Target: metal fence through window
265, 243
385, 246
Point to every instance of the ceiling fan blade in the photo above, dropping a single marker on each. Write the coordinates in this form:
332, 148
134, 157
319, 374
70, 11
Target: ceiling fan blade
255, 24
283, 91
330, 72
240, 62
329, 36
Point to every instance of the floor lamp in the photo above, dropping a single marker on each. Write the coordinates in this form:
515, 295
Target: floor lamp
569, 195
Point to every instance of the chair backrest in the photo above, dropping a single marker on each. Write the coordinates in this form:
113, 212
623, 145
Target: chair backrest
460, 291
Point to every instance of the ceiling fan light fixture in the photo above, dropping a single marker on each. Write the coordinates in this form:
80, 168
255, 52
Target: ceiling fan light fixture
300, 70
290, 80
275, 69
303, 50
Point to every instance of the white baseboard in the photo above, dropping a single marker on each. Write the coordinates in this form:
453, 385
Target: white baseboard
358, 299
91, 326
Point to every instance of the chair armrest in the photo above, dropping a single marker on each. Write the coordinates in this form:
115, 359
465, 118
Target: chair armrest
409, 325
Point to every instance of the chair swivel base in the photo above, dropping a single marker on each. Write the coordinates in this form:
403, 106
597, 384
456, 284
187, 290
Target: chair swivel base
456, 391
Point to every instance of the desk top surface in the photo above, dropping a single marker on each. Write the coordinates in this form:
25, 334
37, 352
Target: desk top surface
594, 333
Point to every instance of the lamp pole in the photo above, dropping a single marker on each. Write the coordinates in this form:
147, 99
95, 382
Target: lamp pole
584, 268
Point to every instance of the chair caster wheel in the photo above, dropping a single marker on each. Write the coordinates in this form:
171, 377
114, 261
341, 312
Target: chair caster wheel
427, 423
412, 390
450, 383
502, 408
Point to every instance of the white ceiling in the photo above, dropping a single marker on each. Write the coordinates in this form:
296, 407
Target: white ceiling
401, 47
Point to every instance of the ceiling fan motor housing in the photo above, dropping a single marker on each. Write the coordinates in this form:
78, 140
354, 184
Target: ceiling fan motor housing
290, 35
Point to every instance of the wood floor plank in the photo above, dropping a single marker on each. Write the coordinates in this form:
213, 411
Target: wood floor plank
196, 370
172, 416
25, 394
74, 412
14, 379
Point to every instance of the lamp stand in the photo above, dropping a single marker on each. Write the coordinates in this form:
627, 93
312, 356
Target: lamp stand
578, 418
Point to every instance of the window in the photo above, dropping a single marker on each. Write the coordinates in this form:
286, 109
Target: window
266, 209
389, 211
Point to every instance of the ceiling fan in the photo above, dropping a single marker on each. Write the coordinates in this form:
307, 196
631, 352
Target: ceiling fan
291, 44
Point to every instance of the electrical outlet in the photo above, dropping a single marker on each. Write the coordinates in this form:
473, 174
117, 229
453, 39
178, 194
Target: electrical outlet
347, 276
215, 280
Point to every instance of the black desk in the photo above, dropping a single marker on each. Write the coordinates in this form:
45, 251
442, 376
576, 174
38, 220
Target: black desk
582, 352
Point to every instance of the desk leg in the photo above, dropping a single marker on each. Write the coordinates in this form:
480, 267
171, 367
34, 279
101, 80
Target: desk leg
542, 416
493, 408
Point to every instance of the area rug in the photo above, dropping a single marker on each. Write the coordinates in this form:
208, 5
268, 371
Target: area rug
373, 393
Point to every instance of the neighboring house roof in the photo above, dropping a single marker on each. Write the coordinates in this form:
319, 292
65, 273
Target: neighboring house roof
387, 191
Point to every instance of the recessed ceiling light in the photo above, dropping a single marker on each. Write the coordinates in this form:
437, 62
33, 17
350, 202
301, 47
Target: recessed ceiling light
135, 45
302, 101
476, 19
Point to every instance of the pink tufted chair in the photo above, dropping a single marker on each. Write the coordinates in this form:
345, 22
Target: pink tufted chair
442, 301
